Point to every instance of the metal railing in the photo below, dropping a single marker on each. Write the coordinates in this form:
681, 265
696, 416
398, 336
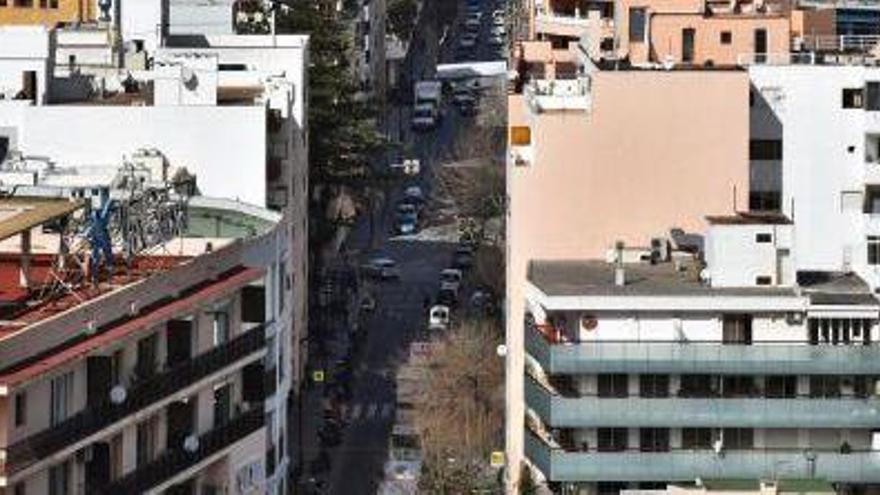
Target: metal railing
139, 396
704, 412
683, 357
176, 460
836, 43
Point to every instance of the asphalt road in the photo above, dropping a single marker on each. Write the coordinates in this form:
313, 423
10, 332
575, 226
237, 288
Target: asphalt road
400, 316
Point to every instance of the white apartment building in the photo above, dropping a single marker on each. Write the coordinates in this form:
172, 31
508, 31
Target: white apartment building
647, 374
234, 109
815, 154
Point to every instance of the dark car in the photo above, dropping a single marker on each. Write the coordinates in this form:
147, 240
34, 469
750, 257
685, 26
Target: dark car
447, 297
463, 258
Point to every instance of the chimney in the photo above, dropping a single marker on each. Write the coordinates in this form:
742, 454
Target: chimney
619, 274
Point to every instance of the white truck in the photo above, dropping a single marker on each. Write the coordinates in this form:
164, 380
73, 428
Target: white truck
426, 107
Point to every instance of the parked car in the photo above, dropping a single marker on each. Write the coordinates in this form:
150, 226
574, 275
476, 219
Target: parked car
414, 193
468, 109
462, 93
406, 225
438, 317
463, 258
450, 278
447, 297
381, 268
468, 40
496, 40
406, 167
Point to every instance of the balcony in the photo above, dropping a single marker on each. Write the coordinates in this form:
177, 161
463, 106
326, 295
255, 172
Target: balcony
688, 465
771, 358
175, 461
559, 95
139, 396
679, 412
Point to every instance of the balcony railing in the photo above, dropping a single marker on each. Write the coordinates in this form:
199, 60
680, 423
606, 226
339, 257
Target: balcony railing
176, 460
761, 358
680, 412
559, 94
688, 465
139, 396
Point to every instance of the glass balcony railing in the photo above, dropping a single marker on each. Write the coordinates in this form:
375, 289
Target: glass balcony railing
766, 358
678, 412
688, 465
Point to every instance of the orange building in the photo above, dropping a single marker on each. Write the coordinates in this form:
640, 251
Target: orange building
46, 12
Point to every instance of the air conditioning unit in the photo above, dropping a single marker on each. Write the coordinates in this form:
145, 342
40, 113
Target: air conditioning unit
118, 394
191, 443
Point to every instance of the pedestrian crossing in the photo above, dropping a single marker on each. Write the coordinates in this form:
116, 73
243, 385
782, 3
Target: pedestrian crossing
371, 411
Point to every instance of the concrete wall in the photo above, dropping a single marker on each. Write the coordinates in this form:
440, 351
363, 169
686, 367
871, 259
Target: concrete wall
657, 150
817, 22
215, 143
736, 259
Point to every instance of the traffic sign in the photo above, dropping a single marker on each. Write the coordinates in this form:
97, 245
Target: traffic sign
496, 460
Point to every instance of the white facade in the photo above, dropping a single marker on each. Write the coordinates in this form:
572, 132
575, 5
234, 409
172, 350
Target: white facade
824, 171
750, 254
24, 50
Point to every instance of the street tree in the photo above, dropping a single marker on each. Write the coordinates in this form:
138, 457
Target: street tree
462, 422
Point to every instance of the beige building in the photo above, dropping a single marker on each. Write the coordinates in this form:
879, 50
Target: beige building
169, 375
613, 155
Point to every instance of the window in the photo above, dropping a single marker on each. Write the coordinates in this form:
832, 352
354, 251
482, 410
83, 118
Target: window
19, 487
24, 3
53, 4
20, 408
737, 329
43, 4
696, 438
654, 385
612, 439
59, 479
764, 200
654, 439
220, 327
520, 135
61, 399
738, 438
282, 273
853, 98
697, 386
147, 434
637, 18
726, 37
765, 149
146, 356
763, 238
872, 96
613, 385
824, 387
874, 250
2, 3
688, 42
780, 387
738, 386
840, 331
763, 280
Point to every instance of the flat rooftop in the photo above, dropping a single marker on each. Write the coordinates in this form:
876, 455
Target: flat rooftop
596, 278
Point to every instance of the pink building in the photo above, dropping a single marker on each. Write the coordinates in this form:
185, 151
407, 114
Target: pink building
668, 31
614, 155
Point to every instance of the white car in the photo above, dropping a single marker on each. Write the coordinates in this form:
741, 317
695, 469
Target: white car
499, 30
496, 40
450, 279
414, 192
407, 167
438, 318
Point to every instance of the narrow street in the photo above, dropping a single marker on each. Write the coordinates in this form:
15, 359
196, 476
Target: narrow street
364, 362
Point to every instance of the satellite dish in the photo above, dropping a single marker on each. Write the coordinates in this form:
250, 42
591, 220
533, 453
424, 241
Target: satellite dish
118, 394
191, 444
188, 76
589, 322
501, 350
